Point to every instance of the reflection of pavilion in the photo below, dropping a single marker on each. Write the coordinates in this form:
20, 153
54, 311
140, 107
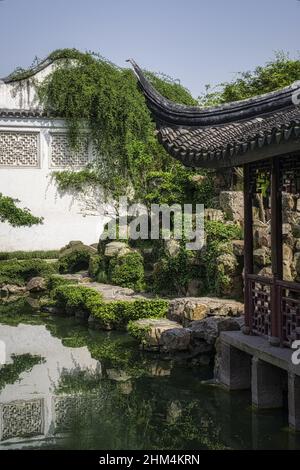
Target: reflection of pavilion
31, 411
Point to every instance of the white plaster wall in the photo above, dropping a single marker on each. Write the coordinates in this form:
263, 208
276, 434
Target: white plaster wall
64, 219
63, 216
22, 94
41, 381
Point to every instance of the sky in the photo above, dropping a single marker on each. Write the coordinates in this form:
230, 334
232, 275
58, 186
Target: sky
198, 42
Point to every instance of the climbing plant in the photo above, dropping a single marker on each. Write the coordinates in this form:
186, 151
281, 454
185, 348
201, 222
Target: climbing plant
93, 94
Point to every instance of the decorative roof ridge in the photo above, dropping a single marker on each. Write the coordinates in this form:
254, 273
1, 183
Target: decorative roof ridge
43, 64
174, 114
34, 112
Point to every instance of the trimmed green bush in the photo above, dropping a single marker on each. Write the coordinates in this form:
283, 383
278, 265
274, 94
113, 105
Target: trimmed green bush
56, 280
118, 313
72, 299
74, 261
128, 271
19, 272
20, 255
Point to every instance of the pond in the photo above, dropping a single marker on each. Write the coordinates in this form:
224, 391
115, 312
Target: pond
66, 387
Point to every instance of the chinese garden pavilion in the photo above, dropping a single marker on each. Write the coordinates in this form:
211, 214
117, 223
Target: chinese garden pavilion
262, 135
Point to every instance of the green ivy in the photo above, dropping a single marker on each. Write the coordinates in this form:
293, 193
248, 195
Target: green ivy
93, 94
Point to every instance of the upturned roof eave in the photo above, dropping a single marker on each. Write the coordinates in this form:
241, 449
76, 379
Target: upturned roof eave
169, 113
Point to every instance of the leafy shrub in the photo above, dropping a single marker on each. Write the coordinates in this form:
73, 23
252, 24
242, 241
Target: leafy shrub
218, 236
74, 298
139, 332
56, 280
127, 271
74, 261
172, 274
118, 313
19, 272
95, 265
50, 254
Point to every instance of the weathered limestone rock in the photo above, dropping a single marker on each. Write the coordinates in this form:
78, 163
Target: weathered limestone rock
290, 217
261, 234
124, 251
176, 339
238, 247
296, 230
10, 289
265, 271
288, 202
153, 329
113, 248
214, 214
232, 203
185, 310
297, 244
227, 262
117, 375
194, 287
287, 253
209, 329
262, 256
297, 263
36, 284
75, 246
286, 229
172, 247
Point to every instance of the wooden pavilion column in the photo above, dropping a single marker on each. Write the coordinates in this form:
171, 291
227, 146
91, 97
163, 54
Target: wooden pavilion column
276, 249
248, 246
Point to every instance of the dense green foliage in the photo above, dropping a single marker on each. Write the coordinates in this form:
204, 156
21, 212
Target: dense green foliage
106, 98
74, 299
50, 254
19, 272
127, 271
74, 260
117, 314
14, 215
56, 280
275, 74
218, 236
138, 332
172, 273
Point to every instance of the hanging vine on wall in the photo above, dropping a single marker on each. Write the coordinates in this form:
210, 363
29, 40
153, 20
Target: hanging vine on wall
87, 90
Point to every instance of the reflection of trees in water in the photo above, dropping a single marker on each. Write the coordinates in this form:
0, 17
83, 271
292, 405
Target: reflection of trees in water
10, 373
150, 416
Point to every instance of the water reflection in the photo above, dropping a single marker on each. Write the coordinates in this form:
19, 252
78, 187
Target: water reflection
68, 387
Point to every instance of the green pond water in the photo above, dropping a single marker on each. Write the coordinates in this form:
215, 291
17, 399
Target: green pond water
67, 387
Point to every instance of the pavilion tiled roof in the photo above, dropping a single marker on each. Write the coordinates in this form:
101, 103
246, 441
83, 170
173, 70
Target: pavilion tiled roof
226, 135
